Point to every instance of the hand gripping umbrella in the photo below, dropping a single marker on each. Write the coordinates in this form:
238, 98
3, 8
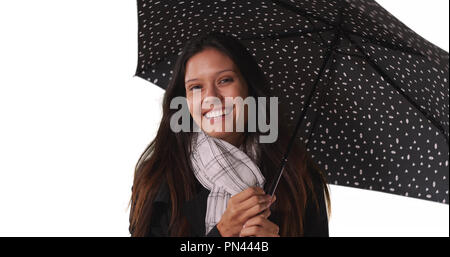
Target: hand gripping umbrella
372, 96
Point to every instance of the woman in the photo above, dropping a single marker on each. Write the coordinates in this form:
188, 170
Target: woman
173, 194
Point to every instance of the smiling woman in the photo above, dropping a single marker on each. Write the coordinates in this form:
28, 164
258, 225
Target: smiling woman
213, 182
215, 75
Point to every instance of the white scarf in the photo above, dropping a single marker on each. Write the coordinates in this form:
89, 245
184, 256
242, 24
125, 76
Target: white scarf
223, 169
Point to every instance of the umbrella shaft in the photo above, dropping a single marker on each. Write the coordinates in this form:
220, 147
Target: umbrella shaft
274, 186
302, 115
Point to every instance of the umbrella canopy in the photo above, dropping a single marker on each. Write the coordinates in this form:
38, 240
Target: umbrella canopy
370, 96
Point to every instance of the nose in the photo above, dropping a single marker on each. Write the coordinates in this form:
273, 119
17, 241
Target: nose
212, 99
210, 91
210, 94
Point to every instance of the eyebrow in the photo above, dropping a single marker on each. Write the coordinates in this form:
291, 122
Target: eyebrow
216, 73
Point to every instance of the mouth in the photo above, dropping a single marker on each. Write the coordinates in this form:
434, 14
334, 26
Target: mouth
217, 114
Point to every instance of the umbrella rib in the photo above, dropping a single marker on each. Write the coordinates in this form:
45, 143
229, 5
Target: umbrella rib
375, 41
332, 50
394, 84
320, 104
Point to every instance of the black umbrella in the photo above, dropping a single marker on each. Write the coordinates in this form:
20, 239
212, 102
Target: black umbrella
371, 95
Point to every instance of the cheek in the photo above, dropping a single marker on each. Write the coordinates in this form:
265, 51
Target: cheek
189, 102
237, 90
242, 90
194, 107
241, 111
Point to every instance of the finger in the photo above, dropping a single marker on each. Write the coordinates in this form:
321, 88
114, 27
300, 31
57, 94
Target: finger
250, 231
247, 193
258, 220
257, 231
266, 213
253, 201
272, 199
256, 209
263, 222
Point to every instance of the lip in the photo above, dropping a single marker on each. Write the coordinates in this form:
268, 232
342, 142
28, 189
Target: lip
205, 111
221, 116
211, 110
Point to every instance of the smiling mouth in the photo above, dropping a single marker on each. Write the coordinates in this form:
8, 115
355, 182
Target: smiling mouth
215, 114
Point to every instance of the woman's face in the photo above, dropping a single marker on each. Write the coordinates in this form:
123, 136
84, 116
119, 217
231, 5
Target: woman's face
210, 73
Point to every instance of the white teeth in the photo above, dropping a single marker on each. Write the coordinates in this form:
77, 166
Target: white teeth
218, 113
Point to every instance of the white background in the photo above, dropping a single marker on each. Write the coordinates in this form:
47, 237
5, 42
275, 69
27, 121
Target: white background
74, 120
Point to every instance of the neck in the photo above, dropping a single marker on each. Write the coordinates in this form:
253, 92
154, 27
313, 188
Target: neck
235, 139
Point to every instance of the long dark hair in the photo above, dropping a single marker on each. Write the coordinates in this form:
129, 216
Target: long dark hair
167, 156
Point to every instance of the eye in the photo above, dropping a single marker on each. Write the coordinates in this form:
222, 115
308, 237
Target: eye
193, 87
227, 79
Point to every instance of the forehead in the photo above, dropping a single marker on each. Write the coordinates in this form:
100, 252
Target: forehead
208, 61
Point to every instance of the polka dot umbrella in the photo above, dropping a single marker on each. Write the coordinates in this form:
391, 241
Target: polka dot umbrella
371, 96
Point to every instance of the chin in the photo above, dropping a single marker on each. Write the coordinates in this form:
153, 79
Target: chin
220, 135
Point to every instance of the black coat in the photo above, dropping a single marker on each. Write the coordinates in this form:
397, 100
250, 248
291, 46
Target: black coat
315, 224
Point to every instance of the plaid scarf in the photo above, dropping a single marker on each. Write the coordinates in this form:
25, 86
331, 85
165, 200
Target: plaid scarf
223, 169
